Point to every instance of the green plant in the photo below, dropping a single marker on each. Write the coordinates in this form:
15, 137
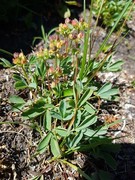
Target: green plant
133, 83
110, 11
62, 92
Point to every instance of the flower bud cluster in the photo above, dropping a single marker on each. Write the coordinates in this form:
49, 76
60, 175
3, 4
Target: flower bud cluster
55, 44
43, 53
19, 58
70, 26
66, 41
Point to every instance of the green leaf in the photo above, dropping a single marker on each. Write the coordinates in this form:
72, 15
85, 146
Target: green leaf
32, 59
115, 66
55, 147
62, 131
89, 132
17, 107
101, 130
67, 13
33, 85
72, 103
87, 94
68, 116
16, 99
41, 69
48, 120
62, 108
40, 103
4, 51
79, 87
85, 52
95, 142
73, 3
106, 91
88, 121
5, 63
89, 108
77, 119
44, 143
46, 106
76, 139
114, 123
32, 113
107, 86
96, 133
109, 93
20, 85
66, 61
56, 115
107, 47
36, 178
68, 92
17, 77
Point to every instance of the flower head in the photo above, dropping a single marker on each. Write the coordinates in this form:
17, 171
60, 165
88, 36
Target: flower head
19, 58
43, 53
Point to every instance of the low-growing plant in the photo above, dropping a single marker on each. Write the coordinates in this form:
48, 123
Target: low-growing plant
110, 11
63, 96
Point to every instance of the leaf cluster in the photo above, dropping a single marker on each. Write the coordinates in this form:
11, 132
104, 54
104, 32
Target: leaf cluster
60, 81
110, 12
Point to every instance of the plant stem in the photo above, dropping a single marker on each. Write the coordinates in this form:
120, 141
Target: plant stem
92, 41
86, 44
76, 69
84, 9
25, 74
72, 120
99, 67
76, 169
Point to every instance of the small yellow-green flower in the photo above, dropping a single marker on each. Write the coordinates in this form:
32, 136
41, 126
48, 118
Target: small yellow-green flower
43, 53
19, 59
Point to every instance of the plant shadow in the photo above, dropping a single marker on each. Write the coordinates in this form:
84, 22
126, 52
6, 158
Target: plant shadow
125, 164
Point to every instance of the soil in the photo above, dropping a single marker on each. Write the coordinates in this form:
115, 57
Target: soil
18, 141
